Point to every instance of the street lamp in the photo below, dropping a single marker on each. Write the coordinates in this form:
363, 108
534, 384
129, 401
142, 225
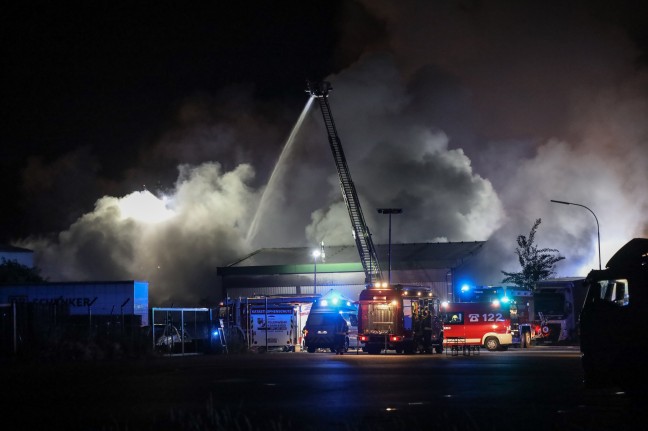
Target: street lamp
389, 211
316, 254
598, 232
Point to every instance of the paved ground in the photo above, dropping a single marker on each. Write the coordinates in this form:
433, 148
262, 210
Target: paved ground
514, 390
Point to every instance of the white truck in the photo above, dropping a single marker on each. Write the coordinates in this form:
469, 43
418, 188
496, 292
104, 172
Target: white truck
556, 305
273, 327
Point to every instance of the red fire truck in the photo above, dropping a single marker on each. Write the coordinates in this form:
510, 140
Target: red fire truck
483, 324
401, 318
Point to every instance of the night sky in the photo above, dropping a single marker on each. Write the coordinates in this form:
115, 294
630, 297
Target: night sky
469, 115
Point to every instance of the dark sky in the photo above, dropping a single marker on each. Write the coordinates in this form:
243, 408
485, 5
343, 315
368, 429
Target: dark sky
111, 78
469, 115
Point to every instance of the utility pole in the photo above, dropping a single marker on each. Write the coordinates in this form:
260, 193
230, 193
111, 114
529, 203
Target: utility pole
389, 211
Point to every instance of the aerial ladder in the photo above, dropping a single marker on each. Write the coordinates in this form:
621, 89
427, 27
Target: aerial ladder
361, 234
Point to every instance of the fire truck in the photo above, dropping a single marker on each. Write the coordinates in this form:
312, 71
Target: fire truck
400, 318
482, 324
396, 317
547, 315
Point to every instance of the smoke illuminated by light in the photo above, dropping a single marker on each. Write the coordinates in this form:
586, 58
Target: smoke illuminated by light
145, 207
430, 122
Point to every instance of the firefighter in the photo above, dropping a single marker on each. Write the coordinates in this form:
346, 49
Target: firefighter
341, 331
426, 326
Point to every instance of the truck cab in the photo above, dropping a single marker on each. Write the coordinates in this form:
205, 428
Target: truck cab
401, 318
613, 322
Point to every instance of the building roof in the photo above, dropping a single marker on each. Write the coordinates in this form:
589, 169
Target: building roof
6, 248
345, 258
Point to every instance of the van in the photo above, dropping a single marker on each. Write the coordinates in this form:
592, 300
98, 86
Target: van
321, 328
482, 324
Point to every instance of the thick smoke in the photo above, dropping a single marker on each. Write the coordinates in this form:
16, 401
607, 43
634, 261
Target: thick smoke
469, 116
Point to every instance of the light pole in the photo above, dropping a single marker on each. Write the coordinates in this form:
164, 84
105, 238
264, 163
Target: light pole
389, 211
316, 254
598, 232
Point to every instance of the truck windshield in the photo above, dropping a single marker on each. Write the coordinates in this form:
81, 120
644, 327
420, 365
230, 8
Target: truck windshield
380, 318
549, 303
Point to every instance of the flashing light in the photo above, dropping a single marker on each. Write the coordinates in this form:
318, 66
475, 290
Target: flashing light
418, 293
496, 303
396, 338
444, 304
215, 333
465, 288
394, 303
348, 303
324, 302
505, 299
335, 301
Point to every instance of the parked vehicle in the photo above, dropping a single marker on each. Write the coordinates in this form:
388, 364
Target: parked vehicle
557, 303
329, 324
401, 318
482, 324
613, 322
172, 340
273, 327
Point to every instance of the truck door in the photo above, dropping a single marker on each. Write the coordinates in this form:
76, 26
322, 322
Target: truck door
454, 327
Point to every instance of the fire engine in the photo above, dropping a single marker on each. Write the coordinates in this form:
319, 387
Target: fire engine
548, 314
400, 318
390, 316
483, 324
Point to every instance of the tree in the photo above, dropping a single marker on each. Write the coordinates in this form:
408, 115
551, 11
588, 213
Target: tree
14, 272
537, 264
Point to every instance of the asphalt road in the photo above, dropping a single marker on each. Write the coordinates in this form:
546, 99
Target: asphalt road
521, 389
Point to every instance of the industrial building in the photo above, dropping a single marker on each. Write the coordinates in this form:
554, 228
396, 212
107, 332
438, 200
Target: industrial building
295, 272
106, 298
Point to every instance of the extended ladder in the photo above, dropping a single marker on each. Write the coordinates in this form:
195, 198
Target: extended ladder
361, 232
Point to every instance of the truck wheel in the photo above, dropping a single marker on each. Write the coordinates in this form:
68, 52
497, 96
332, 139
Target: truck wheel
492, 344
311, 349
439, 348
527, 340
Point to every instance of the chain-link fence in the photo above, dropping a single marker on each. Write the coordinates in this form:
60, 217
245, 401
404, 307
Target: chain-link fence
48, 330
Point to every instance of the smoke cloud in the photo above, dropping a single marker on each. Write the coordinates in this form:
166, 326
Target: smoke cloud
469, 116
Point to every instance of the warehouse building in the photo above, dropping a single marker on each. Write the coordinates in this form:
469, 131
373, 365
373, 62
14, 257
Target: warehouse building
295, 272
